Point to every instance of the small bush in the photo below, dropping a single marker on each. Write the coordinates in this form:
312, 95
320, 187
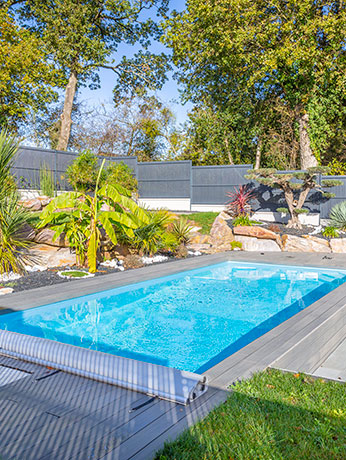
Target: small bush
236, 244
330, 232
120, 173
337, 216
82, 173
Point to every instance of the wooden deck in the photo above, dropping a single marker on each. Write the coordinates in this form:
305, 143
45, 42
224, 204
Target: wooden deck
47, 414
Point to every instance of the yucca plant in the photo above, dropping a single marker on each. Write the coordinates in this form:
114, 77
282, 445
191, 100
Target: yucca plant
337, 216
110, 209
8, 149
13, 244
182, 230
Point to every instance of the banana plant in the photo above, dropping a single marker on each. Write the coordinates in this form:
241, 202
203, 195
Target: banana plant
82, 217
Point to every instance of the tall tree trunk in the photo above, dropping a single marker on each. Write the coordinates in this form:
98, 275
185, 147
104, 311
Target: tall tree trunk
230, 158
66, 116
307, 158
258, 154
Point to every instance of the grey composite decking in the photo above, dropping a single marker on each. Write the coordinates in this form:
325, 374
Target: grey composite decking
55, 415
334, 367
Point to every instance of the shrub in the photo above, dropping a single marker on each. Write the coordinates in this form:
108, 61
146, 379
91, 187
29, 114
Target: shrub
82, 173
337, 168
330, 232
120, 173
47, 183
236, 244
337, 216
182, 230
243, 221
13, 243
240, 205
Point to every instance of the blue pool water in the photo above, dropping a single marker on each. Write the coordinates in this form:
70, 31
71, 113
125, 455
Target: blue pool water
189, 321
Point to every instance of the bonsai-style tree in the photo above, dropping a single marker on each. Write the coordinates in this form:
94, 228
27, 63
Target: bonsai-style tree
295, 192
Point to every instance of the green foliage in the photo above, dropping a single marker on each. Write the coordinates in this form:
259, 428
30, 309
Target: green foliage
181, 229
330, 232
236, 244
8, 150
47, 182
13, 244
120, 173
82, 173
74, 274
202, 219
148, 237
337, 167
80, 216
265, 68
331, 183
337, 216
243, 221
27, 79
272, 416
301, 211
283, 210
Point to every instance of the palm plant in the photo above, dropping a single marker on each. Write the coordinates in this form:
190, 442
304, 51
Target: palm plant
13, 245
110, 210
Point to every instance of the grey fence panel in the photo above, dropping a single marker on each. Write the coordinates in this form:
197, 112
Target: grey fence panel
165, 179
210, 184
340, 195
30, 160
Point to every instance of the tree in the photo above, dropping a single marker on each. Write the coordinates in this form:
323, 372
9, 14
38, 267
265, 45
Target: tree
82, 36
143, 127
295, 192
27, 81
261, 52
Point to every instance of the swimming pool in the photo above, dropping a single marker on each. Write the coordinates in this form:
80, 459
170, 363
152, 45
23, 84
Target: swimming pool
189, 321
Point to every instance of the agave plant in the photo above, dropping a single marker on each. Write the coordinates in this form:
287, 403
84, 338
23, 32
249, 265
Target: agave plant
110, 210
239, 205
337, 216
13, 244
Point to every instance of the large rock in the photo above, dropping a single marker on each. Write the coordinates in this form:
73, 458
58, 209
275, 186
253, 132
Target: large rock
338, 245
203, 247
46, 235
305, 243
199, 238
33, 205
256, 232
50, 256
221, 234
257, 244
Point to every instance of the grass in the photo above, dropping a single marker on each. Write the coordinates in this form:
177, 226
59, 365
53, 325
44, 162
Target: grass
273, 416
75, 274
203, 219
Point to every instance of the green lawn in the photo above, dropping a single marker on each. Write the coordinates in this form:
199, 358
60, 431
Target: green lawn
273, 416
203, 219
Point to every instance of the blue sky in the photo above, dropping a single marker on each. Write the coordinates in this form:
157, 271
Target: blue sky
168, 94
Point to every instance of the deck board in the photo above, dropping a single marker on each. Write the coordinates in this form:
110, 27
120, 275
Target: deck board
64, 416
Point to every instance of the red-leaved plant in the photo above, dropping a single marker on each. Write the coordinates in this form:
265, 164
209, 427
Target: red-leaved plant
239, 205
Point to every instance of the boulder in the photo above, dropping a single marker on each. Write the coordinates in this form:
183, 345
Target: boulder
27, 232
199, 239
338, 245
305, 243
257, 244
221, 233
50, 256
33, 205
46, 235
256, 232
6, 290
44, 200
199, 247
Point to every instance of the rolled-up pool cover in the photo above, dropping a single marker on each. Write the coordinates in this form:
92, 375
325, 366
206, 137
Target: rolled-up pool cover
152, 379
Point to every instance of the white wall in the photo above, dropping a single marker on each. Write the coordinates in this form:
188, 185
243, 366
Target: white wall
173, 204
